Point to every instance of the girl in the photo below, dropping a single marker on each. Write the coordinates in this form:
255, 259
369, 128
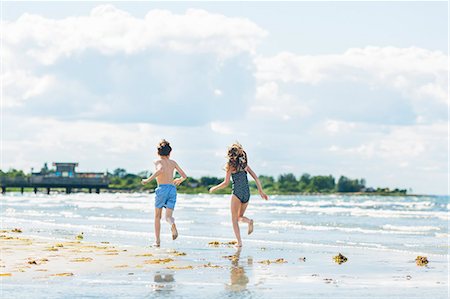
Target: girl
237, 167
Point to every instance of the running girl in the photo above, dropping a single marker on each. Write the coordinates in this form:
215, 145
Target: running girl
237, 168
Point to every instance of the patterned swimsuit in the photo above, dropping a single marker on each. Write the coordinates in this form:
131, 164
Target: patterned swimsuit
240, 186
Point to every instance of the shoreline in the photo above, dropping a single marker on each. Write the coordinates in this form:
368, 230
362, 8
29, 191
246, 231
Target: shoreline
125, 190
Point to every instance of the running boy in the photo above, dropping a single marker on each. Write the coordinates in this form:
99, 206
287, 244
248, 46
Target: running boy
166, 193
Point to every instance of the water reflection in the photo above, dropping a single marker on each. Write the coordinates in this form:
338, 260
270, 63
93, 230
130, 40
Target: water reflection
163, 282
238, 278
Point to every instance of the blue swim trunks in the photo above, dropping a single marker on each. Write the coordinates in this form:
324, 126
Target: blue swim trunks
166, 196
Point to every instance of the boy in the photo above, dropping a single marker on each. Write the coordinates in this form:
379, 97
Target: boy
166, 193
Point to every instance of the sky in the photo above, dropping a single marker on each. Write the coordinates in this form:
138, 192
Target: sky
343, 88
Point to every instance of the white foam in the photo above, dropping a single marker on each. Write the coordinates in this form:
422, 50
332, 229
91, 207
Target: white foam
301, 226
410, 228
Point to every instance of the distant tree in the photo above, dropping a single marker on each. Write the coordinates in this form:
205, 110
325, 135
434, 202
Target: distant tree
144, 174
322, 183
191, 182
44, 169
267, 181
362, 183
305, 179
14, 173
119, 172
288, 183
347, 185
130, 176
209, 181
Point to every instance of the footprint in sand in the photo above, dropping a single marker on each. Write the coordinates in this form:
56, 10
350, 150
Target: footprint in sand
209, 265
63, 274
144, 255
159, 261
180, 267
82, 259
277, 261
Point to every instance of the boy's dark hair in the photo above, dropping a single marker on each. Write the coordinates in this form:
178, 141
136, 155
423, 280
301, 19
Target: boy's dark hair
164, 148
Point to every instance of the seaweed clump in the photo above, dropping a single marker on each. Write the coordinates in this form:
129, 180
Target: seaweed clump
421, 260
340, 259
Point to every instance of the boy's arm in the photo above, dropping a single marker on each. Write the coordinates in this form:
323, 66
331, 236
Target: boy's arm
222, 185
258, 183
181, 172
158, 170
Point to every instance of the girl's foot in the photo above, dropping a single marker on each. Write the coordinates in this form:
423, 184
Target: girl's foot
238, 245
156, 244
250, 227
174, 232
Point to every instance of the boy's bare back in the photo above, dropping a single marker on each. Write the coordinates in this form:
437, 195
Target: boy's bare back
167, 168
164, 167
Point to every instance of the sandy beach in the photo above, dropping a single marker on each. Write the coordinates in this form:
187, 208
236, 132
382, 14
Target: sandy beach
44, 255
27, 258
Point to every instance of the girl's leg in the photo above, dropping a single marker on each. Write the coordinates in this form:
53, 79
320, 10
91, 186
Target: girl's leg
171, 221
244, 219
235, 206
158, 213
242, 209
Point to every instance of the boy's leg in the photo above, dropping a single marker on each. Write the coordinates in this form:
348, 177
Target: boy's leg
235, 205
171, 221
158, 213
169, 217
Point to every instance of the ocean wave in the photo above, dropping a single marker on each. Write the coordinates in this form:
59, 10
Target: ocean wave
302, 226
410, 228
359, 212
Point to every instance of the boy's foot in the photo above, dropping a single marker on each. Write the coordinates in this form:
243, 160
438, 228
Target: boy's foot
156, 244
238, 245
250, 227
174, 232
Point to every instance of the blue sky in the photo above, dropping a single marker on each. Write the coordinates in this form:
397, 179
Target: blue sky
353, 88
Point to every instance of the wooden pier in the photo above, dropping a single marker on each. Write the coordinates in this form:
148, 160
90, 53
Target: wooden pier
64, 177
47, 183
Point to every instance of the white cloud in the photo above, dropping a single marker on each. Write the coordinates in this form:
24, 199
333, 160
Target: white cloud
270, 103
403, 144
221, 128
415, 72
110, 30
22, 85
335, 126
103, 65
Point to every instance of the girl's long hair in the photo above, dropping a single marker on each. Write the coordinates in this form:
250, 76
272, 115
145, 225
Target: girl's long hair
237, 158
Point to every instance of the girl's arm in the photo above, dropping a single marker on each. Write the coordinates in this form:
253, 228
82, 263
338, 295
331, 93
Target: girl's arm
178, 181
258, 183
224, 184
158, 170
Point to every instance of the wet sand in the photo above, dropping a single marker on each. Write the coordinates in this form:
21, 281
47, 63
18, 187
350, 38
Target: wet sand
73, 266
24, 257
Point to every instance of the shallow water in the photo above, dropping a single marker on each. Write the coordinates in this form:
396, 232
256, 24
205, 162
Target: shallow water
381, 236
